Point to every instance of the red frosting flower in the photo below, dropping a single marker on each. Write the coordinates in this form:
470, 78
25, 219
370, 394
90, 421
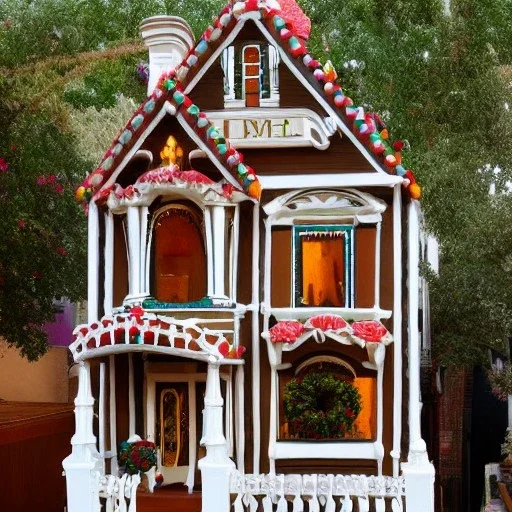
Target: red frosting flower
286, 331
327, 322
369, 330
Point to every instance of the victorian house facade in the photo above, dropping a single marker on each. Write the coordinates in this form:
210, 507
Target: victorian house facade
254, 298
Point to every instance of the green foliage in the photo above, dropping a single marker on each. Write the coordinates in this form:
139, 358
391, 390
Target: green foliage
320, 405
101, 86
43, 231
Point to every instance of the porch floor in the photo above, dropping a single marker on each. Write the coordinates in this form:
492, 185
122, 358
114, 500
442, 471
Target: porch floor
173, 498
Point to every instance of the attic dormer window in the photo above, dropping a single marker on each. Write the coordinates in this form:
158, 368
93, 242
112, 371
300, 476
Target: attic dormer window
250, 75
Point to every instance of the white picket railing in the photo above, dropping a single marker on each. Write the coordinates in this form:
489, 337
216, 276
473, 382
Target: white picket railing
119, 493
331, 493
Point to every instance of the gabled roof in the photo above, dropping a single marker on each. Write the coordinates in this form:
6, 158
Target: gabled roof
365, 129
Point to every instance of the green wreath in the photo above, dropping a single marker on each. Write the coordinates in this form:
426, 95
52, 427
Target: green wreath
321, 406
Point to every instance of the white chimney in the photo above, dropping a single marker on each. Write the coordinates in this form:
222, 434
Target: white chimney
169, 38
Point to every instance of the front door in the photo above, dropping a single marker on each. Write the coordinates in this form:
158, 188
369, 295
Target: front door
172, 432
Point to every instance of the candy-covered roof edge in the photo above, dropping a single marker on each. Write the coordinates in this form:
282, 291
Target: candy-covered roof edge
363, 128
168, 98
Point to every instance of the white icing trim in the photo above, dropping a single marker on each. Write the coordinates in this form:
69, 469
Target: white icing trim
219, 250
378, 236
338, 203
235, 234
144, 284
349, 180
209, 249
330, 450
92, 262
397, 328
414, 341
305, 313
101, 412
256, 395
112, 413
133, 220
215, 55
325, 359
240, 418
109, 264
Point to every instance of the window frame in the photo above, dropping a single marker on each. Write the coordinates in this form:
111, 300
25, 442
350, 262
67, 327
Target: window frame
348, 261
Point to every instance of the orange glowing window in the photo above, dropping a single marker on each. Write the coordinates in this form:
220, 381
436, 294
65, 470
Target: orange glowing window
179, 270
323, 266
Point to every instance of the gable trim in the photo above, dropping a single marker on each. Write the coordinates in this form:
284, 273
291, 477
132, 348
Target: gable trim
167, 109
256, 17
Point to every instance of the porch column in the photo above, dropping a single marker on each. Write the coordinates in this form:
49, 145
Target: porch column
93, 259
216, 466
419, 473
84, 465
133, 219
219, 250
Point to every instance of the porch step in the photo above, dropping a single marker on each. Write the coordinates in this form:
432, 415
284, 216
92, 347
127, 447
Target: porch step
170, 498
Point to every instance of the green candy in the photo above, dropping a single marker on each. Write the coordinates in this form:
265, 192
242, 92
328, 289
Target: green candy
178, 97
193, 110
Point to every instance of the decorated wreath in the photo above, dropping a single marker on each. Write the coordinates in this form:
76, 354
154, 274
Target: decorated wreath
137, 456
320, 405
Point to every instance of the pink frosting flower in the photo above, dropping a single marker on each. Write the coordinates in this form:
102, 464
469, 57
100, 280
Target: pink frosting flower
369, 330
286, 331
41, 180
327, 323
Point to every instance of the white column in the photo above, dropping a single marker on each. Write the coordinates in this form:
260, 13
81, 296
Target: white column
133, 221
256, 335
109, 264
84, 465
113, 413
92, 262
216, 466
397, 327
209, 249
240, 418
414, 341
144, 285
419, 473
101, 412
234, 261
378, 256
219, 250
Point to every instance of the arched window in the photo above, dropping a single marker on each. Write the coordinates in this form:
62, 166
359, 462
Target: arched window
179, 269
